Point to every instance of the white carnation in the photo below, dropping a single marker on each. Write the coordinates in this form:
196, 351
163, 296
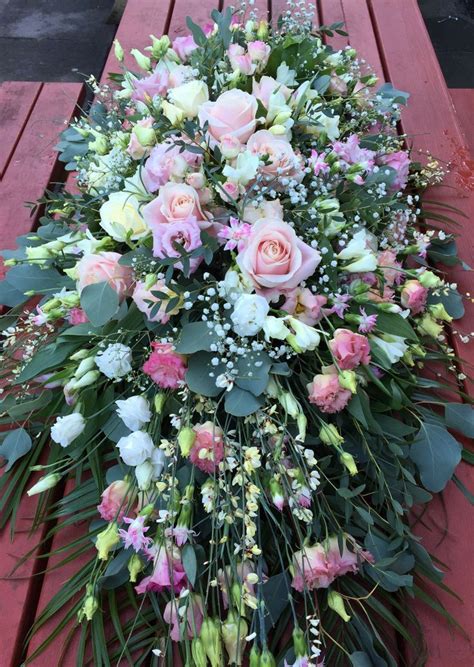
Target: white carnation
68, 428
250, 311
115, 361
134, 412
135, 448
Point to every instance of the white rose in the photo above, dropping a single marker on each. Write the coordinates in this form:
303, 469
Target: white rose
134, 412
121, 218
189, 97
250, 311
394, 347
68, 428
115, 361
135, 448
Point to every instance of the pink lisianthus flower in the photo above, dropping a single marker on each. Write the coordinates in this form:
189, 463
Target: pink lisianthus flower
77, 316
316, 161
326, 392
413, 296
208, 447
155, 84
168, 571
104, 267
116, 499
259, 52
390, 267
401, 163
234, 234
164, 163
184, 46
166, 367
318, 566
349, 349
266, 87
144, 300
135, 536
185, 617
351, 152
185, 233
304, 305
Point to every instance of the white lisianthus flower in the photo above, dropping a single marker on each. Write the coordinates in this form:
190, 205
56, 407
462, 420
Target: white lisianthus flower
394, 347
135, 448
158, 460
359, 249
134, 412
68, 428
174, 114
305, 337
115, 361
233, 286
250, 311
189, 97
120, 217
244, 170
144, 475
275, 327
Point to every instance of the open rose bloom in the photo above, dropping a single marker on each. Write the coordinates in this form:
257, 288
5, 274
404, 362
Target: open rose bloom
228, 368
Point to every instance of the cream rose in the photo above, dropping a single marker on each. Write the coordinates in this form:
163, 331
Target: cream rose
120, 217
233, 114
189, 97
275, 258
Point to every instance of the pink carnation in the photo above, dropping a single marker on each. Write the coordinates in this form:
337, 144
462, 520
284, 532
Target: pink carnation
326, 392
116, 499
413, 296
349, 349
208, 448
165, 367
168, 572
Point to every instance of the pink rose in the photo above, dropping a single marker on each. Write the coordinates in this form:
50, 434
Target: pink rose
275, 258
265, 88
166, 367
401, 163
259, 52
176, 202
189, 626
208, 448
166, 162
319, 565
304, 305
184, 46
168, 572
185, 233
326, 392
349, 349
77, 316
104, 267
232, 113
144, 300
281, 161
116, 500
413, 296
240, 60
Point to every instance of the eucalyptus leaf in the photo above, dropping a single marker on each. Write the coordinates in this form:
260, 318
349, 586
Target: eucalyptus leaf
201, 374
460, 417
16, 444
436, 454
195, 337
241, 403
189, 563
100, 303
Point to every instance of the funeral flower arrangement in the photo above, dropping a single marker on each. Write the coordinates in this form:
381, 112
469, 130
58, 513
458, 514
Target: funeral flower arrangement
221, 378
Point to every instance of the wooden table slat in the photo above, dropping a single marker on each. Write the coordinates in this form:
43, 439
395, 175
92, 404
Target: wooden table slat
463, 99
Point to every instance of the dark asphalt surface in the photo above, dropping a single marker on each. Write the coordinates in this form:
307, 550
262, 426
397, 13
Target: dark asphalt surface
65, 40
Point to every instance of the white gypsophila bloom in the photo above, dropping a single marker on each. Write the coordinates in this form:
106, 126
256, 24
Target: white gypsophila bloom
115, 361
135, 448
134, 412
68, 428
394, 347
250, 311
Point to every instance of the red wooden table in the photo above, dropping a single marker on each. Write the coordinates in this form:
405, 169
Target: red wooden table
391, 36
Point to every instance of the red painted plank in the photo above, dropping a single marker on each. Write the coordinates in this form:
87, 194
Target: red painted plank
261, 7
140, 19
201, 14
331, 11
34, 166
17, 98
432, 124
463, 99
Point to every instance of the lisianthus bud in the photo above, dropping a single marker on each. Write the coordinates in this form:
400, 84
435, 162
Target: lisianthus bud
198, 652
330, 435
160, 400
84, 367
438, 311
306, 337
348, 461
186, 438
90, 605
348, 380
234, 631
106, 540
289, 403
267, 659
144, 474
135, 566
429, 327
118, 51
145, 135
262, 30
79, 355
302, 422
211, 639
43, 484
277, 493
174, 114
159, 47
336, 603
142, 61
85, 381
299, 642
429, 279
277, 130
254, 658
